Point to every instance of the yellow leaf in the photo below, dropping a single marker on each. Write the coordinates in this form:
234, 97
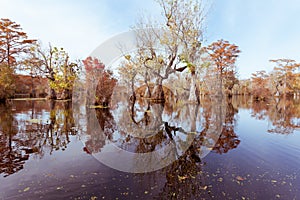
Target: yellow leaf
127, 57
181, 178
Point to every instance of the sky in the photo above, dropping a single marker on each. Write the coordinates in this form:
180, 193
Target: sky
263, 29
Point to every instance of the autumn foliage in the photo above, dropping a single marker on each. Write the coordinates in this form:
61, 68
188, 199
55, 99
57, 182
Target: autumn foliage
223, 56
14, 45
260, 90
105, 82
13, 42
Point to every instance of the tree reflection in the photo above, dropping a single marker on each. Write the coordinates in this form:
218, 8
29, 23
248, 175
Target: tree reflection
12, 158
98, 138
30, 129
184, 177
283, 113
60, 126
259, 109
228, 139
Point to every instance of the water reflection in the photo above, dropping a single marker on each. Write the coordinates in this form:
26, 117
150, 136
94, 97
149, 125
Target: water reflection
183, 133
136, 126
167, 130
284, 114
12, 157
33, 128
98, 138
228, 139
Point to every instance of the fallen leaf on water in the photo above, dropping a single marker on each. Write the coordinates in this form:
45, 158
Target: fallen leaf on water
204, 188
239, 178
26, 189
181, 178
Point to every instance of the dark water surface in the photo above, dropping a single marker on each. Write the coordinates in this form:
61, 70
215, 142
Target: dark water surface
47, 151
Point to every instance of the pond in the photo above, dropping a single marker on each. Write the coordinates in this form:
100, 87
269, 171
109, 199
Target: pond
221, 149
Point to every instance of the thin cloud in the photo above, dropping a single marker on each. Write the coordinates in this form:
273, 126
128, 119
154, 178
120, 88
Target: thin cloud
263, 29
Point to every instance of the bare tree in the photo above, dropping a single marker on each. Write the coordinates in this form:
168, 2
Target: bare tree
173, 46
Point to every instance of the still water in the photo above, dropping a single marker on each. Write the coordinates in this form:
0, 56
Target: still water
231, 149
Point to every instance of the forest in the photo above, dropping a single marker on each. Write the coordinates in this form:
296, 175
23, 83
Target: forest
159, 114
175, 52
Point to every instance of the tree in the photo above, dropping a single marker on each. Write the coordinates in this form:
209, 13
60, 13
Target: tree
128, 71
13, 42
55, 64
244, 87
284, 70
66, 74
102, 91
260, 89
229, 81
296, 83
223, 55
13, 45
7, 82
178, 41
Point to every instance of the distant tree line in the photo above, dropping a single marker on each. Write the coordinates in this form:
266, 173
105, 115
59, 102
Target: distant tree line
172, 56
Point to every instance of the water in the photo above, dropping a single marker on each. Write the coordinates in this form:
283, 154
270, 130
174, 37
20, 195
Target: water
234, 149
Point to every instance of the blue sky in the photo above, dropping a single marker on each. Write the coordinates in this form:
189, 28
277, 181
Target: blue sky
263, 29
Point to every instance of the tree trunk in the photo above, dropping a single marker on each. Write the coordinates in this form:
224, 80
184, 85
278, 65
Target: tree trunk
67, 94
158, 92
147, 93
52, 94
133, 96
194, 91
220, 92
157, 111
32, 93
192, 118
